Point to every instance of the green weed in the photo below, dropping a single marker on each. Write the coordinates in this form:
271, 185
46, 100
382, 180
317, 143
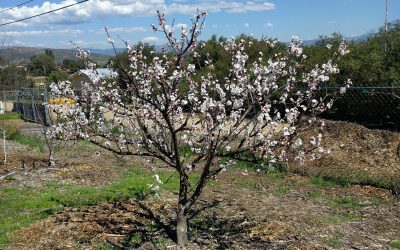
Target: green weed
335, 219
186, 151
10, 116
280, 191
395, 244
249, 184
321, 182
334, 241
278, 171
346, 202
33, 141
135, 239
314, 194
11, 131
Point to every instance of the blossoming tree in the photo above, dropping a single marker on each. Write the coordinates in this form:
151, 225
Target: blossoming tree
257, 109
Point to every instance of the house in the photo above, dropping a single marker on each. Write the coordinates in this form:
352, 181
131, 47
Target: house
86, 75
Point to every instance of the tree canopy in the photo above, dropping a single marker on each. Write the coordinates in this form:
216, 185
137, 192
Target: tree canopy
13, 77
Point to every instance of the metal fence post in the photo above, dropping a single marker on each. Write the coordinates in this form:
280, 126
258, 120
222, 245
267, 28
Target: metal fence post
33, 106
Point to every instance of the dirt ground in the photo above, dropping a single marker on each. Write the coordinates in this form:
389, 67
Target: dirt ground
242, 210
357, 153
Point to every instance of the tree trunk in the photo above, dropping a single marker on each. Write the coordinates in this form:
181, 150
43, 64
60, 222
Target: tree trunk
182, 228
181, 216
52, 163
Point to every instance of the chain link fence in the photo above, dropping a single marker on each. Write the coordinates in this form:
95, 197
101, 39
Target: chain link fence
27, 102
372, 106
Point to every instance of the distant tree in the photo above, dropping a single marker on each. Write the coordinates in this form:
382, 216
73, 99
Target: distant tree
120, 62
368, 63
13, 78
73, 65
42, 64
57, 76
49, 53
2, 60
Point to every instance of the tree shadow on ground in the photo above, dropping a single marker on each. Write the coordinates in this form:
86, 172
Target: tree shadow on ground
154, 229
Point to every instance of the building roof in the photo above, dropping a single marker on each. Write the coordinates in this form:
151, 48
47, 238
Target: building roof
96, 74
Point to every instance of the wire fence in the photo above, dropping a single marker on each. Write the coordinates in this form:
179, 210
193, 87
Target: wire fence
28, 103
372, 106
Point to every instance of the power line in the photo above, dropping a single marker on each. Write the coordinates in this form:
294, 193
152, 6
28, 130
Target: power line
44, 13
16, 6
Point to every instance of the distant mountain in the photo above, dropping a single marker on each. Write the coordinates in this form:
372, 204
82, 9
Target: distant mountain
20, 54
356, 39
109, 52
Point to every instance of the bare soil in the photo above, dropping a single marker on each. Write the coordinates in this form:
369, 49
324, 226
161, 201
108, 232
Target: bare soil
242, 210
358, 154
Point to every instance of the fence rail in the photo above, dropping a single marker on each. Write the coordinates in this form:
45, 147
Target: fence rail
372, 106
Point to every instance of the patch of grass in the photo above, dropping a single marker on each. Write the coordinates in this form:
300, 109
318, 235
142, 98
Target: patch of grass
363, 177
395, 244
335, 219
346, 202
22, 206
10, 116
33, 141
321, 182
314, 194
135, 239
334, 241
11, 129
277, 171
186, 151
244, 165
106, 246
248, 161
13, 132
344, 179
249, 184
85, 144
280, 191
161, 243
10, 178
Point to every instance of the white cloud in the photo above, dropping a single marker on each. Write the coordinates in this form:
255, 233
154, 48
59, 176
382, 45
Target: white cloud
14, 25
69, 32
181, 26
246, 25
219, 6
19, 43
268, 25
86, 44
150, 39
125, 30
100, 8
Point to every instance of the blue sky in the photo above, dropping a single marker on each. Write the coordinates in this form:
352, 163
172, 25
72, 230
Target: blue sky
130, 19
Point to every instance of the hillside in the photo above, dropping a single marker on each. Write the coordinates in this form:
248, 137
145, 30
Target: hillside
19, 54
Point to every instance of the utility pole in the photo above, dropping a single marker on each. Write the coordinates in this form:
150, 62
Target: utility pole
386, 25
